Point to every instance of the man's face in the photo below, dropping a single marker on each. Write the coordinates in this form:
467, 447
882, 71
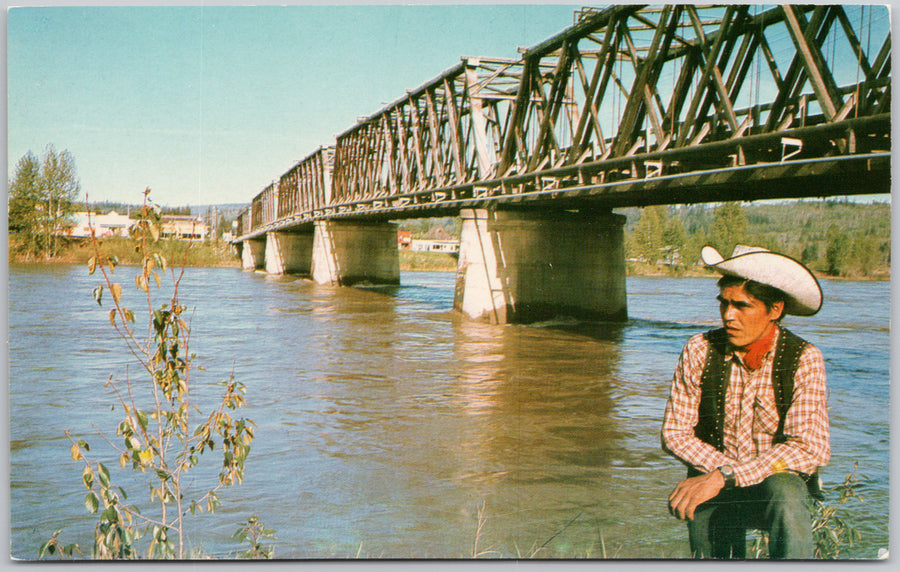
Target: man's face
744, 316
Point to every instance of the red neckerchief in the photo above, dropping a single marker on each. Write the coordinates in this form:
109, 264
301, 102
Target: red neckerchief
758, 349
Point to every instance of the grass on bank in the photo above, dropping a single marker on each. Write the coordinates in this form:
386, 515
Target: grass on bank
196, 254
428, 261
199, 254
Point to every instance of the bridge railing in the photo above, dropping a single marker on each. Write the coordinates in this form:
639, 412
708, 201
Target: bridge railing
300, 192
306, 187
243, 223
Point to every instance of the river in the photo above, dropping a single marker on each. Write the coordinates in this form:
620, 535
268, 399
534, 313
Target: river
387, 423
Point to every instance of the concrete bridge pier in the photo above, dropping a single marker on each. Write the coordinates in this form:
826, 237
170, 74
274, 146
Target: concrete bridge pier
520, 266
352, 252
288, 252
253, 254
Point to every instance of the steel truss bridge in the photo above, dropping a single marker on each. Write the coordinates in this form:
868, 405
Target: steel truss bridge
630, 106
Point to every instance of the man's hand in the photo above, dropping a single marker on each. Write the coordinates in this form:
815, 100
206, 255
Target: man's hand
691, 493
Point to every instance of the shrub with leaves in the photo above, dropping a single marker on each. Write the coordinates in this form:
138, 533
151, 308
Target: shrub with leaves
253, 532
833, 533
163, 432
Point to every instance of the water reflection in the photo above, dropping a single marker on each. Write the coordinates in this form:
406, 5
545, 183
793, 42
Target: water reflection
540, 433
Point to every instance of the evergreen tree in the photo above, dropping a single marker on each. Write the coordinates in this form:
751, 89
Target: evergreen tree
647, 237
865, 253
810, 253
675, 237
729, 227
25, 205
837, 250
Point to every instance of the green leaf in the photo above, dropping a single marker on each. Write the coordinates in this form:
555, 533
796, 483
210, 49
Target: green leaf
91, 502
87, 475
104, 474
127, 536
98, 294
110, 514
46, 548
240, 535
142, 418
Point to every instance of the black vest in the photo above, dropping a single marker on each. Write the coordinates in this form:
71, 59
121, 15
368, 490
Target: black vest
714, 382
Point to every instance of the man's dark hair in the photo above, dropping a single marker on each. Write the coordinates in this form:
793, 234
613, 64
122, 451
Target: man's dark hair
766, 294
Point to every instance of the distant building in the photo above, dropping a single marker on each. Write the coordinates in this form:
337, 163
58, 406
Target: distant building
183, 227
428, 245
439, 233
112, 224
404, 239
437, 240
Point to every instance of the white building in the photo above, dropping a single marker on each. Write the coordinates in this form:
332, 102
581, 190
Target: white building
112, 224
429, 245
183, 227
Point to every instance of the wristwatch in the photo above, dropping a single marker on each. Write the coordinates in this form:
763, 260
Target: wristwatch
728, 473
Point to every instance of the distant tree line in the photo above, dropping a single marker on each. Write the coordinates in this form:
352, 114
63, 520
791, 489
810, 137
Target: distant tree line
420, 227
834, 237
134, 211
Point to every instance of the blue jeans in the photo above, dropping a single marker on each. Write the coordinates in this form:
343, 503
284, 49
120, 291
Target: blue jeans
779, 505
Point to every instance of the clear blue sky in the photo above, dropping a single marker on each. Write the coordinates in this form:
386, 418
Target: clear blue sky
210, 104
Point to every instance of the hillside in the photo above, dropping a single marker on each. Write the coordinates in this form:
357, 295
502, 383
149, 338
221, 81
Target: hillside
833, 237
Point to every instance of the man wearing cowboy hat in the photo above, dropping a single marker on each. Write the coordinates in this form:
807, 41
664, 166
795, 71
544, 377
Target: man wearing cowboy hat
747, 411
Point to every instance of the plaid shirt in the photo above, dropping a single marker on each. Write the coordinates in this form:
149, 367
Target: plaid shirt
751, 417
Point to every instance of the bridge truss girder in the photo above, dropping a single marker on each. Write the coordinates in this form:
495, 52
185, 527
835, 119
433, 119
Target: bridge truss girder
659, 100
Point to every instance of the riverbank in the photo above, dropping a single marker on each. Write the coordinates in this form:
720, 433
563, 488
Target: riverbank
663, 271
176, 252
216, 255
428, 261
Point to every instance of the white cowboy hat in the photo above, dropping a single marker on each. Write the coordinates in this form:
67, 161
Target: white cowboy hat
804, 295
